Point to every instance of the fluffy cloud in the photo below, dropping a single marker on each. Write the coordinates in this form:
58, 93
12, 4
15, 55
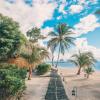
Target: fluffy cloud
86, 2
82, 44
76, 8
27, 16
59, 17
62, 8
87, 24
46, 30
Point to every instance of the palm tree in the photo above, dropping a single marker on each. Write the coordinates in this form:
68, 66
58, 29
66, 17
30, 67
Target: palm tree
83, 60
88, 71
36, 57
97, 12
60, 39
33, 56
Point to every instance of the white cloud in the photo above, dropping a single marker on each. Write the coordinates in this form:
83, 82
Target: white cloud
76, 8
62, 8
59, 17
82, 45
87, 24
27, 16
46, 30
86, 2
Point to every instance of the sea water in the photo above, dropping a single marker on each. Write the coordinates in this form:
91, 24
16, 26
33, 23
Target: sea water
70, 65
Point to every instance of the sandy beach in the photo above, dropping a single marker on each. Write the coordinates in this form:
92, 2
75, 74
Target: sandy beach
87, 89
36, 87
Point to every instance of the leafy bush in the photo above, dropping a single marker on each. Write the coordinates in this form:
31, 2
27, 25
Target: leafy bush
12, 81
43, 68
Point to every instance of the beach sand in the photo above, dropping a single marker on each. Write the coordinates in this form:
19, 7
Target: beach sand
36, 87
87, 89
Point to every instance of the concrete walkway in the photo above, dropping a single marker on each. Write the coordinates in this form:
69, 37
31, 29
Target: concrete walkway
56, 89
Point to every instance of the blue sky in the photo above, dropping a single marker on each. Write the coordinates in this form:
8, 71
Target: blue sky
46, 14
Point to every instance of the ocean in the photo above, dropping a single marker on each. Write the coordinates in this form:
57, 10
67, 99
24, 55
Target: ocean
70, 65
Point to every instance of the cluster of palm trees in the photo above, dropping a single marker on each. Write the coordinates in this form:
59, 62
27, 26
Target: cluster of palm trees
83, 60
60, 41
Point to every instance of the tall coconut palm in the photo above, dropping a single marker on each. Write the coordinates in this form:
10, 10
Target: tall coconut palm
36, 57
60, 39
83, 60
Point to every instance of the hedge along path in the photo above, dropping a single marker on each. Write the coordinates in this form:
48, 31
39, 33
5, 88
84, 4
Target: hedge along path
55, 89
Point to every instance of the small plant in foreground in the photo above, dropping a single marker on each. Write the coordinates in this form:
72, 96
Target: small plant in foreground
88, 71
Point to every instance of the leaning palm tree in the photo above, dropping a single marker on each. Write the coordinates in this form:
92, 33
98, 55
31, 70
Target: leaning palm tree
83, 60
60, 39
36, 57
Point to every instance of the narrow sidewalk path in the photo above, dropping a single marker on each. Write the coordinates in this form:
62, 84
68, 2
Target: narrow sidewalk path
56, 89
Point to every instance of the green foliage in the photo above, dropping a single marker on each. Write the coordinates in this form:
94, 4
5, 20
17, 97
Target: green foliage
97, 12
43, 68
34, 33
11, 37
61, 39
12, 80
83, 59
88, 71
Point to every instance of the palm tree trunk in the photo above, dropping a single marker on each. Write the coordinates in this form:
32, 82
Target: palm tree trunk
58, 57
79, 71
52, 59
87, 75
30, 73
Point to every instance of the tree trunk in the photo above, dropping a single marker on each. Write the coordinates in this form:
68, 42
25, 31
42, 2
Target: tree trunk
52, 59
87, 75
58, 57
79, 71
30, 73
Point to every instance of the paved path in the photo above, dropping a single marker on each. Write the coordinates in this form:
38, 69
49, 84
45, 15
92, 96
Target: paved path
56, 89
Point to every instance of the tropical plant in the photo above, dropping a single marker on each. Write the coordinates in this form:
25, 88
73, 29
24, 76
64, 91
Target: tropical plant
36, 57
34, 34
60, 39
12, 81
97, 12
36, 53
11, 38
43, 68
82, 60
88, 71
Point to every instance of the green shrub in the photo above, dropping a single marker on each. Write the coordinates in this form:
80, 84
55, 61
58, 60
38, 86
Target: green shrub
43, 68
12, 80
